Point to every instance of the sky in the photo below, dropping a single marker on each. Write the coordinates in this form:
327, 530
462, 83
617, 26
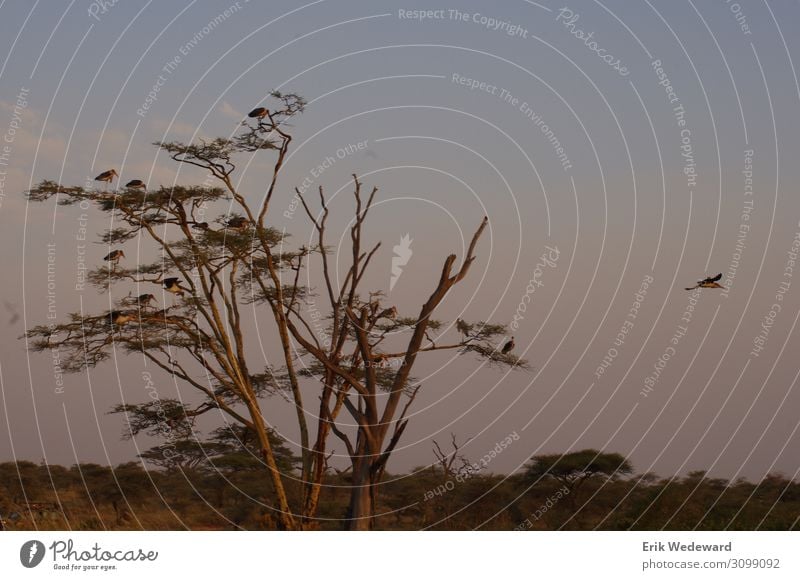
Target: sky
621, 151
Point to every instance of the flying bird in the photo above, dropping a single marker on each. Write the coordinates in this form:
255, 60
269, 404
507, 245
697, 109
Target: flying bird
172, 285
258, 113
107, 176
114, 257
508, 347
136, 184
710, 282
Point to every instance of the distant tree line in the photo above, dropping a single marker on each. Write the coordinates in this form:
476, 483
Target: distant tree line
216, 484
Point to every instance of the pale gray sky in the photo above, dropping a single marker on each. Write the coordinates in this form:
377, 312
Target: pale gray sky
631, 196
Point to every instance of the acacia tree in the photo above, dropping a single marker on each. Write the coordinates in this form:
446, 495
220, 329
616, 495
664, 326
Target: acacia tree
573, 469
203, 339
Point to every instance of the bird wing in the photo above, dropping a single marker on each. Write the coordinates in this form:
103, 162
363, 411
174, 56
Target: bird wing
716, 278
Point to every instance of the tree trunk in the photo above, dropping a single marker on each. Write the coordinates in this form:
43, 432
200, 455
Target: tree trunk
285, 517
313, 487
360, 511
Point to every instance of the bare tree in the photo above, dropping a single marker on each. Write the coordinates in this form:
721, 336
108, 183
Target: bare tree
203, 338
451, 474
446, 461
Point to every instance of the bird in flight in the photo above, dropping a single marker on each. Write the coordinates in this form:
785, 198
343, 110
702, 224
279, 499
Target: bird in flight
107, 176
710, 282
258, 113
509, 346
172, 285
136, 184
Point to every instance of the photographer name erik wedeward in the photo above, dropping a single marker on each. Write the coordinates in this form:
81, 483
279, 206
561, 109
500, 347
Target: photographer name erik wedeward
685, 547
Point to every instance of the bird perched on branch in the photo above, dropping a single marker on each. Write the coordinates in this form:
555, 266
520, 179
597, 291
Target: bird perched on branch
119, 317
107, 176
145, 300
508, 347
114, 256
258, 113
390, 313
174, 286
238, 223
203, 226
708, 283
462, 326
136, 184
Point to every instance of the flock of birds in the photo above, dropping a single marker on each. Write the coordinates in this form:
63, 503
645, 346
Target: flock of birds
235, 223
173, 286
145, 301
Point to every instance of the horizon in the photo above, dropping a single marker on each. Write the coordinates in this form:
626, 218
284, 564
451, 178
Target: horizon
606, 193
